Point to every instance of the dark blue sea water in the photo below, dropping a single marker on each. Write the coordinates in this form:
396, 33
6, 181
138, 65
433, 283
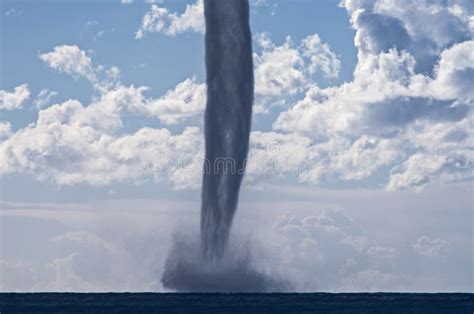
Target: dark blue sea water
236, 303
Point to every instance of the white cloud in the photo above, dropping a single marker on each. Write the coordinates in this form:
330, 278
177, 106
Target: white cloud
71, 143
273, 154
5, 129
411, 83
430, 246
15, 99
321, 56
455, 72
71, 60
364, 156
417, 170
44, 97
278, 71
372, 103
440, 22
286, 70
423, 30
160, 20
188, 99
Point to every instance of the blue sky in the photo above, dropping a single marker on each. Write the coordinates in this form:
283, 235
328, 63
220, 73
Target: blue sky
361, 142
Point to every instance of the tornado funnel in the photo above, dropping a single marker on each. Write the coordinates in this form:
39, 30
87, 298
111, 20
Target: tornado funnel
228, 114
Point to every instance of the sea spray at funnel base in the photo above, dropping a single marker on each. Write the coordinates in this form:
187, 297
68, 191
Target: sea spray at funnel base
228, 116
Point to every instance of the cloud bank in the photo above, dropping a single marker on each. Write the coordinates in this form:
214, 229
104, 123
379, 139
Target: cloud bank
121, 246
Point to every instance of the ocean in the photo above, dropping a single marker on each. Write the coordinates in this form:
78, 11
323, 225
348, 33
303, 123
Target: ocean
236, 303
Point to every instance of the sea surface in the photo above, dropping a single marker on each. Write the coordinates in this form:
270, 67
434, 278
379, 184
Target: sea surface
236, 303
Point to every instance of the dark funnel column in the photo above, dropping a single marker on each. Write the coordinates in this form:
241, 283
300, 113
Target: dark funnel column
228, 114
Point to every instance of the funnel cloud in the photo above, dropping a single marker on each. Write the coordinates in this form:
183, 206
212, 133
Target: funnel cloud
230, 87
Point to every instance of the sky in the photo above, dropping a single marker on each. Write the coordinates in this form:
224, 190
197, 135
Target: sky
360, 168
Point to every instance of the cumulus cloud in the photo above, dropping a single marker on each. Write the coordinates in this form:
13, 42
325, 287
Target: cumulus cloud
72, 143
273, 154
455, 72
188, 99
286, 70
423, 30
278, 71
14, 99
322, 57
160, 20
385, 93
70, 59
410, 80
